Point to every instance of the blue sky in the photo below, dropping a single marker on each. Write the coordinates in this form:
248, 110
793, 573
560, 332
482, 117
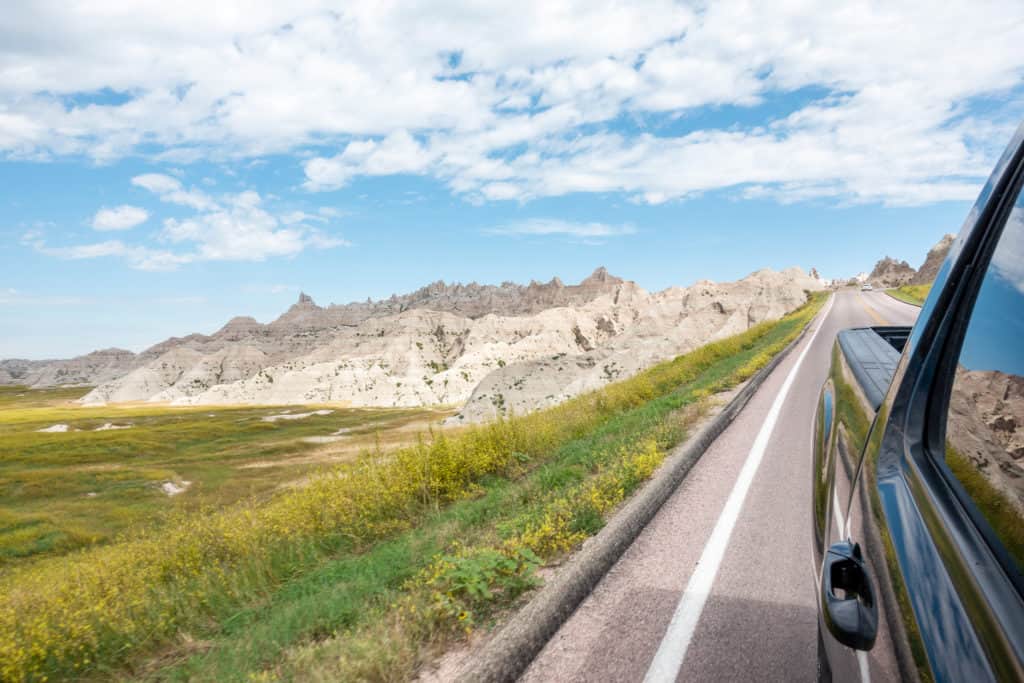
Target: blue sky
164, 169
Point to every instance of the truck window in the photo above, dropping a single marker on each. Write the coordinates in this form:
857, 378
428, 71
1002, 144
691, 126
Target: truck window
984, 437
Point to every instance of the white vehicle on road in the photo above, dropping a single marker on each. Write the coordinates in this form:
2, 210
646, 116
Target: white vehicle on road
866, 287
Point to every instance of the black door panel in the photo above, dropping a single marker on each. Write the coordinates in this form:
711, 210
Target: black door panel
936, 519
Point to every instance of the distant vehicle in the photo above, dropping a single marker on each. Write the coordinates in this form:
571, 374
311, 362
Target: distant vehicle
866, 287
918, 490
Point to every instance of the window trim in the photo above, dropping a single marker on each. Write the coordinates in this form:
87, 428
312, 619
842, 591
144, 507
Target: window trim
948, 349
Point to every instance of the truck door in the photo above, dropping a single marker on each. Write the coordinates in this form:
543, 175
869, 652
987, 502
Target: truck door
935, 521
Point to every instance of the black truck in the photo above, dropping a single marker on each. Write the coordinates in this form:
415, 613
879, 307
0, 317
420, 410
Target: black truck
918, 452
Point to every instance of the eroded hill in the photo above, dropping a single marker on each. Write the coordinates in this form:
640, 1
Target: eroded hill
490, 349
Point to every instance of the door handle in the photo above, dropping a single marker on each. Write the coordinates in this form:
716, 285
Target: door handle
847, 597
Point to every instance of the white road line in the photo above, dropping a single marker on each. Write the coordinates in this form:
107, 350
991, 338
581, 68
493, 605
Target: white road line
837, 511
669, 658
862, 664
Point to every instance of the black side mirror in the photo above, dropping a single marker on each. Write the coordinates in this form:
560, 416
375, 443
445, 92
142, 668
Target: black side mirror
847, 597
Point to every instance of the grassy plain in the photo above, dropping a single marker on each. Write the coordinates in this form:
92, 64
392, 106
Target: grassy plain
66, 490
910, 294
371, 568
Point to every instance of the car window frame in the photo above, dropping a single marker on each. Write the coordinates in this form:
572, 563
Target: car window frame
949, 349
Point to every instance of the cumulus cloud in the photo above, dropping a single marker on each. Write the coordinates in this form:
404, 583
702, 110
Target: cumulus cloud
122, 217
232, 227
399, 152
531, 99
170, 189
241, 229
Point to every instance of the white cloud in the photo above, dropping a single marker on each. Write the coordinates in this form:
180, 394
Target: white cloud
234, 227
399, 152
540, 227
157, 183
243, 230
138, 257
122, 217
531, 99
293, 217
1008, 260
170, 189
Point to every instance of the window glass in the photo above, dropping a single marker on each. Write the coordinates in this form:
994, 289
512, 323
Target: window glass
985, 423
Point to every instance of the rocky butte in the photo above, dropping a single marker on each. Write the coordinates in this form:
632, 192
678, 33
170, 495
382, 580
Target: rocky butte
889, 272
488, 348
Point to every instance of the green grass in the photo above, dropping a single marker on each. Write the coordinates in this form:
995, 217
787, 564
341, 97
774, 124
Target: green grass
910, 294
62, 491
366, 640
372, 568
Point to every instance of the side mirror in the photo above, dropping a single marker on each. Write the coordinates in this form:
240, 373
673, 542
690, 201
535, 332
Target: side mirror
847, 597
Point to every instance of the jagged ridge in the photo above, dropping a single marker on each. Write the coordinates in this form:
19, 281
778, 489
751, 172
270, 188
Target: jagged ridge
603, 329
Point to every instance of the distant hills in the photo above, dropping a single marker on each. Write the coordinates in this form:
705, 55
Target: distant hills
488, 348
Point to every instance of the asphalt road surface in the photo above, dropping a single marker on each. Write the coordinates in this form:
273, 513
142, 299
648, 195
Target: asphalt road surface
719, 586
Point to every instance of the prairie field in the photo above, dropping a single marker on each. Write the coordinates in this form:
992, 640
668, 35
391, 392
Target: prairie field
117, 469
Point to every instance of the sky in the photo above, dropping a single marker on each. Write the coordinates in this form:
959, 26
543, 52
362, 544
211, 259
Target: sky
167, 166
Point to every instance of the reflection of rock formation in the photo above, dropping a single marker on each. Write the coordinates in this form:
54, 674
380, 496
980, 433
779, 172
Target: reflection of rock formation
986, 414
930, 268
889, 272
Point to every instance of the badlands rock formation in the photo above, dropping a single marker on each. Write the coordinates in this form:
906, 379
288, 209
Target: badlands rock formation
986, 426
891, 273
90, 369
304, 327
490, 349
442, 345
933, 261
641, 330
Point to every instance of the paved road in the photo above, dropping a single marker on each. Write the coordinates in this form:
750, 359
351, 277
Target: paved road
754, 618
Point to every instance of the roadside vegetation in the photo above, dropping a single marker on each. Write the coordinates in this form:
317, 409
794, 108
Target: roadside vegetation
910, 294
373, 566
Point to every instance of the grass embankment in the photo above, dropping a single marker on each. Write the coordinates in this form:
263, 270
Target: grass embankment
995, 505
66, 490
374, 566
910, 294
